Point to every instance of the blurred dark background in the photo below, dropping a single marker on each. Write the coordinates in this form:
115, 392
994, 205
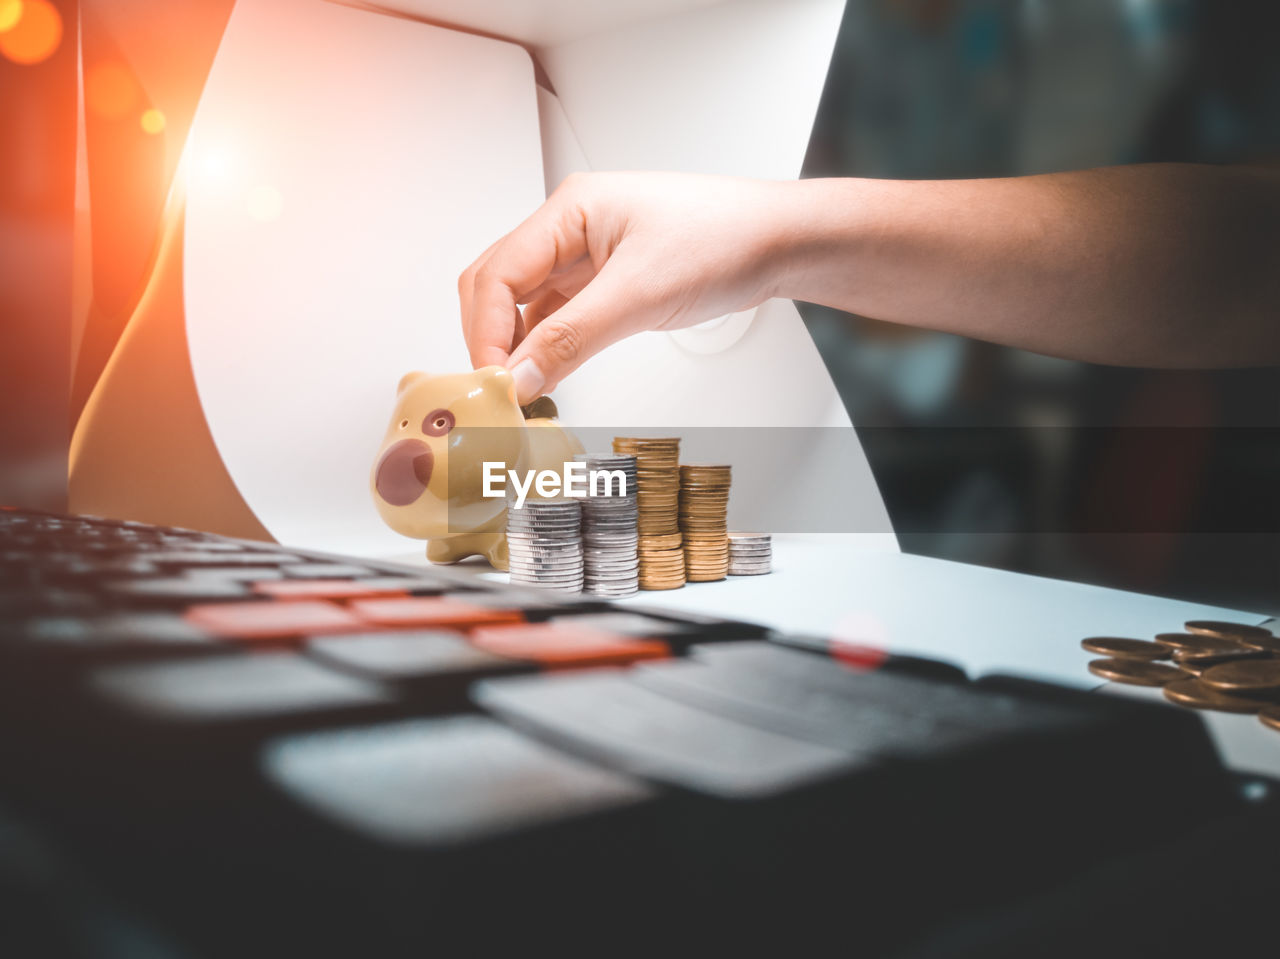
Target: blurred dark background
1162, 481
37, 198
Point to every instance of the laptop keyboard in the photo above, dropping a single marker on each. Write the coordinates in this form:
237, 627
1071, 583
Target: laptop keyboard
241, 739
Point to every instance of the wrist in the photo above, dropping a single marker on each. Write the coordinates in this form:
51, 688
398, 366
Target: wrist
813, 238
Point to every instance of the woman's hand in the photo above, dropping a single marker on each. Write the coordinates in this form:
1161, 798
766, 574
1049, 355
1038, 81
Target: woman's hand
612, 254
1173, 265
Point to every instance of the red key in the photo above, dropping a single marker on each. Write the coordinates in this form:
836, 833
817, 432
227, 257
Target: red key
560, 646
857, 655
430, 611
322, 589
264, 620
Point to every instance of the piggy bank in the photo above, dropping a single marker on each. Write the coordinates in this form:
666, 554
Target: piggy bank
428, 481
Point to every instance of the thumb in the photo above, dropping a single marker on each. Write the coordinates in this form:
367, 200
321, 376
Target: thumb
585, 325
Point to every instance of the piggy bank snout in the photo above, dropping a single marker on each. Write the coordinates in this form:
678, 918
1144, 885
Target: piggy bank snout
403, 472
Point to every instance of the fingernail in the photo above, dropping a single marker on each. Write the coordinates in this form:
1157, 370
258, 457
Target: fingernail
528, 379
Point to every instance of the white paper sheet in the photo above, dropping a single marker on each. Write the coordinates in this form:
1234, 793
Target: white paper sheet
346, 165
396, 152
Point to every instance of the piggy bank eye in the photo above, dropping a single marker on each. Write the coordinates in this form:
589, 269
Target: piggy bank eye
437, 423
403, 424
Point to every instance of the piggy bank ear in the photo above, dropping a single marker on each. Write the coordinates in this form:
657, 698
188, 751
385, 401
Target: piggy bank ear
498, 379
409, 379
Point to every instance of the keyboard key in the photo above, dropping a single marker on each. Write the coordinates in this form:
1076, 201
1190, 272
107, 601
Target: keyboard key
625, 624
187, 557
860, 656
432, 662
607, 717
323, 589
895, 694
229, 689
565, 646
430, 611
679, 636
177, 591
119, 567
410, 585
324, 571
235, 574
502, 839
535, 604
19, 602
268, 620
815, 699
221, 546
442, 782
109, 635
711, 627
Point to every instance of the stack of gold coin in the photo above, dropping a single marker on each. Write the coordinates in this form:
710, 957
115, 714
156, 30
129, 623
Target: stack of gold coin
1226, 667
657, 499
704, 508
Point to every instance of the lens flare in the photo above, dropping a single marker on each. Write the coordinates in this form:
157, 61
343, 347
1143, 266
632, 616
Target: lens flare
34, 34
213, 164
152, 121
265, 203
110, 91
10, 14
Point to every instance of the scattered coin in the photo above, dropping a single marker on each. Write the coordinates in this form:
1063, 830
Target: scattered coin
1256, 637
1118, 647
1196, 663
1199, 644
1248, 676
1199, 695
1239, 631
1269, 643
1135, 672
1229, 667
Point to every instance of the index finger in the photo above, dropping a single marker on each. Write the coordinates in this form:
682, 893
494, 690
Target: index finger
517, 265
466, 285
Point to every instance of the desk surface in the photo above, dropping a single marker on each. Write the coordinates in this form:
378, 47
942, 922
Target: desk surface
983, 620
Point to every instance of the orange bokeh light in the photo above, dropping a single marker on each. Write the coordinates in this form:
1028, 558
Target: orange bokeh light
152, 121
10, 14
110, 91
35, 33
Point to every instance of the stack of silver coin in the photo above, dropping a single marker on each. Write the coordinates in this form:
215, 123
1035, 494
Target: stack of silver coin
750, 554
609, 535
544, 537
